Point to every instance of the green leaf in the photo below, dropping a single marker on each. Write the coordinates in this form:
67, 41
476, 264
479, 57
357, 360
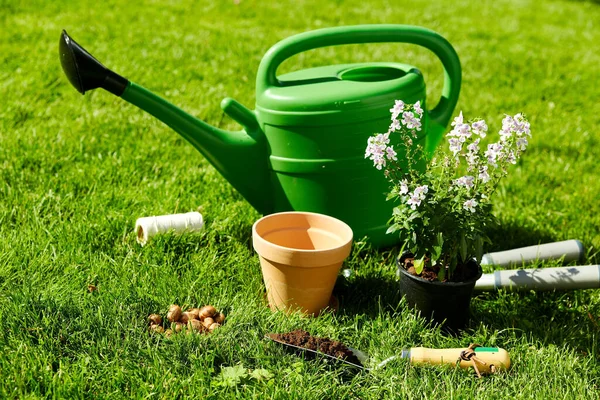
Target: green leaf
261, 374
419, 265
479, 248
442, 273
440, 239
393, 228
463, 248
232, 376
436, 252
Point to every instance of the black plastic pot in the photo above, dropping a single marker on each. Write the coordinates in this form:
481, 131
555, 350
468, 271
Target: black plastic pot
445, 303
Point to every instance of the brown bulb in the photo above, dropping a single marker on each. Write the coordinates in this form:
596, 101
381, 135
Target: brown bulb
196, 325
186, 317
219, 318
178, 327
155, 319
174, 313
207, 311
156, 329
208, 321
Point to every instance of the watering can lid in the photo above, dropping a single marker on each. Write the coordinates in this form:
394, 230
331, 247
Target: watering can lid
338, 94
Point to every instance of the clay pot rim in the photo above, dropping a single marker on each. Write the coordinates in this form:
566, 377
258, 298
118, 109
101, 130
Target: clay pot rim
326, 256
341, 223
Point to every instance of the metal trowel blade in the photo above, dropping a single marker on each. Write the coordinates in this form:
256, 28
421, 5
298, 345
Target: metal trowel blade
362, 357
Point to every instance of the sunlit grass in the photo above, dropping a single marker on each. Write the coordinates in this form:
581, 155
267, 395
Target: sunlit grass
75, 173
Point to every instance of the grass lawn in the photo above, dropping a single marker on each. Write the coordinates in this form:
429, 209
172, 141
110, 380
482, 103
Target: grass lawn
77, 171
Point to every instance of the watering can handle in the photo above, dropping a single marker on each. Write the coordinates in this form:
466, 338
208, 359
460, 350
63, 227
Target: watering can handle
266, 76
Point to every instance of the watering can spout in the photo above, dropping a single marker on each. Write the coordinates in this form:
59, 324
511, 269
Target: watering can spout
84, 71
241, 156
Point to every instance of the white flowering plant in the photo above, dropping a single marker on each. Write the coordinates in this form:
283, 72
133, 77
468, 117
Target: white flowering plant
444, 206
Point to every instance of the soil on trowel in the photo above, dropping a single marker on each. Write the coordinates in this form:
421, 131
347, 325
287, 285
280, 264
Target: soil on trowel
327, 346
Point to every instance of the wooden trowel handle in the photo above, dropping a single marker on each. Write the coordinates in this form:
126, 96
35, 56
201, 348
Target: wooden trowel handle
487, 359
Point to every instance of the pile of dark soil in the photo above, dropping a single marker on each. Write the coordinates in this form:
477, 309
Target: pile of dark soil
327, 346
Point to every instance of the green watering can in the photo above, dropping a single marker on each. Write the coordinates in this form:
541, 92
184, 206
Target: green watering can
303, 146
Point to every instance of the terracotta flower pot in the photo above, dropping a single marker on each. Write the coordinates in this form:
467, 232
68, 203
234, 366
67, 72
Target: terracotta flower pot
300, 254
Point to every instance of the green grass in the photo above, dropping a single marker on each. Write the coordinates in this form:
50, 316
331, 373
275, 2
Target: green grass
76, 172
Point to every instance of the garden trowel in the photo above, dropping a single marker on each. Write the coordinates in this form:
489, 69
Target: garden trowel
484, 360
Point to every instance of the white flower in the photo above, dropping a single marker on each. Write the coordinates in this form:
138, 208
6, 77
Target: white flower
409, 120
421, 191
472, 155
511, 158
507, 122
508, 125
484, 175
493, 153
470, 205
466, 181
455, 146
462, 132
458, 120
378, 161
479, 128
395, 126
522, 143
417, 108
377, 149
520, 125
413, 202
474, 147
384, 137
397, 109
391, 153
403, 187
472, 159
517, 125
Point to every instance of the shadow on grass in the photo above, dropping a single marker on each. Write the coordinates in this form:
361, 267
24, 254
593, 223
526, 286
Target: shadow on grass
548, 317
367, 295
511, 236
551, 317
376, 285
559, 317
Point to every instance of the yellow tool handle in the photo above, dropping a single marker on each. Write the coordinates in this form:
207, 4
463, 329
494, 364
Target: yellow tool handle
488, 359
